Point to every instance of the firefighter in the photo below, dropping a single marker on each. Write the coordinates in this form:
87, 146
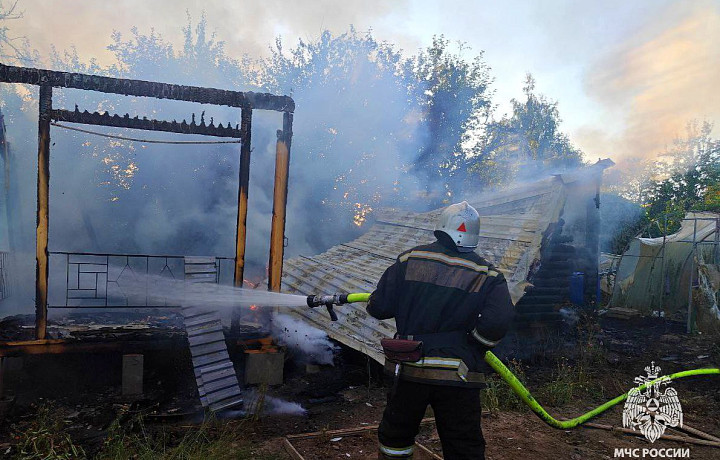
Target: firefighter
453, 301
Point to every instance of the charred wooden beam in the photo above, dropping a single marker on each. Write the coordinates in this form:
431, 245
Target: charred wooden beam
43, 201
61, 346
243, 187
52, 78
125, 121
277, 232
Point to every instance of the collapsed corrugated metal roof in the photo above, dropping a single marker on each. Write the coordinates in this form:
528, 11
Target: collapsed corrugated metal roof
513, 223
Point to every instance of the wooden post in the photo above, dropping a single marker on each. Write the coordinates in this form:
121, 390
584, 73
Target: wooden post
277, 234
592, 244
241, 231
43, 198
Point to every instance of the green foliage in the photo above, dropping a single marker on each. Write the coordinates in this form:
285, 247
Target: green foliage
569, 381
711, 201
536, 122
498, 396
45, 438
454, 97
685, 178
210, 440
356, 121
561, 388
372, 128
418, 110
528, 140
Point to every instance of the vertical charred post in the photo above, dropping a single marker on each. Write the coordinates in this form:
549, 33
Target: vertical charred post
43, 198
277, 235
592, 241
241, 230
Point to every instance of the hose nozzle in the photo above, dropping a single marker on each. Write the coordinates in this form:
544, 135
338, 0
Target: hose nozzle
328, 301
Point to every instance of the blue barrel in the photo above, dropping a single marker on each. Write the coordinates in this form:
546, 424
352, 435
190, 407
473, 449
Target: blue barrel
577, 288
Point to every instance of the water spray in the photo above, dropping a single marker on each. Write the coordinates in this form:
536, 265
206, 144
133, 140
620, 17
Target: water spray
506, 374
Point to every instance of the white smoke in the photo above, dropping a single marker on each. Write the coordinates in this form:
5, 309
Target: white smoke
270, 405
569, 315
312, 344
280, 406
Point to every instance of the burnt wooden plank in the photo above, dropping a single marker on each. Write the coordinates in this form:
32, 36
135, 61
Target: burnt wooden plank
183, 127
128, 87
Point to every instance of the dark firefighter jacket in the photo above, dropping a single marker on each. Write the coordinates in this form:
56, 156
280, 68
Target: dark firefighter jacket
456, 303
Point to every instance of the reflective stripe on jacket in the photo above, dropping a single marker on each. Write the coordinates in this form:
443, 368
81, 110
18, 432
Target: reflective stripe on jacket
456, 303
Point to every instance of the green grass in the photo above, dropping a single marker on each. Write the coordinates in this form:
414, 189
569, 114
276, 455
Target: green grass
210, 440
498, 396
563, 386
45, 438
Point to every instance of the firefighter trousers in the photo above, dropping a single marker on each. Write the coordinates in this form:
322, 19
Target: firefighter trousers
457, 417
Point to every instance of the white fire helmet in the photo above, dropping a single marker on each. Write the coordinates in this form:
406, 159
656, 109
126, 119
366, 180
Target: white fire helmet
461, 222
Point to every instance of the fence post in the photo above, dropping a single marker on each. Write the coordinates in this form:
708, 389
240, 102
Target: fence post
662, 269
716, 247
690, 321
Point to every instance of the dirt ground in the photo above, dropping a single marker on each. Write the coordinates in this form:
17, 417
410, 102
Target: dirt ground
509, 435
603, 359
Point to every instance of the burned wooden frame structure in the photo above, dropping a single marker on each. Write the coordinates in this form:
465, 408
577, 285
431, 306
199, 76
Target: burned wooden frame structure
245, 101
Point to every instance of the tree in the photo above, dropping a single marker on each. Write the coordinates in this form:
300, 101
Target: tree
356, 131
372, 128
383, 129
13, 48
454, 96
150, 198
686, 177
530, 137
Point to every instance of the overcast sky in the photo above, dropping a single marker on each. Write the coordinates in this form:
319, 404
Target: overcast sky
628, 75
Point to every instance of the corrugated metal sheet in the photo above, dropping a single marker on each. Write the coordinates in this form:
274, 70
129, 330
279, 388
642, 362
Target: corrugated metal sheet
512, 227
214, 372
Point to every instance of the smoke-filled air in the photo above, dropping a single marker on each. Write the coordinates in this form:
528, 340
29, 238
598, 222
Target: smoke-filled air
284, 228
376, 126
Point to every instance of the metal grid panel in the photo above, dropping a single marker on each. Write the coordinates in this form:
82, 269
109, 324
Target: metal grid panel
94, 280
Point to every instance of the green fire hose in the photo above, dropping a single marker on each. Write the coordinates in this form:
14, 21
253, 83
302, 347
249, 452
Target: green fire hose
520, 390
358, 297
523, 393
